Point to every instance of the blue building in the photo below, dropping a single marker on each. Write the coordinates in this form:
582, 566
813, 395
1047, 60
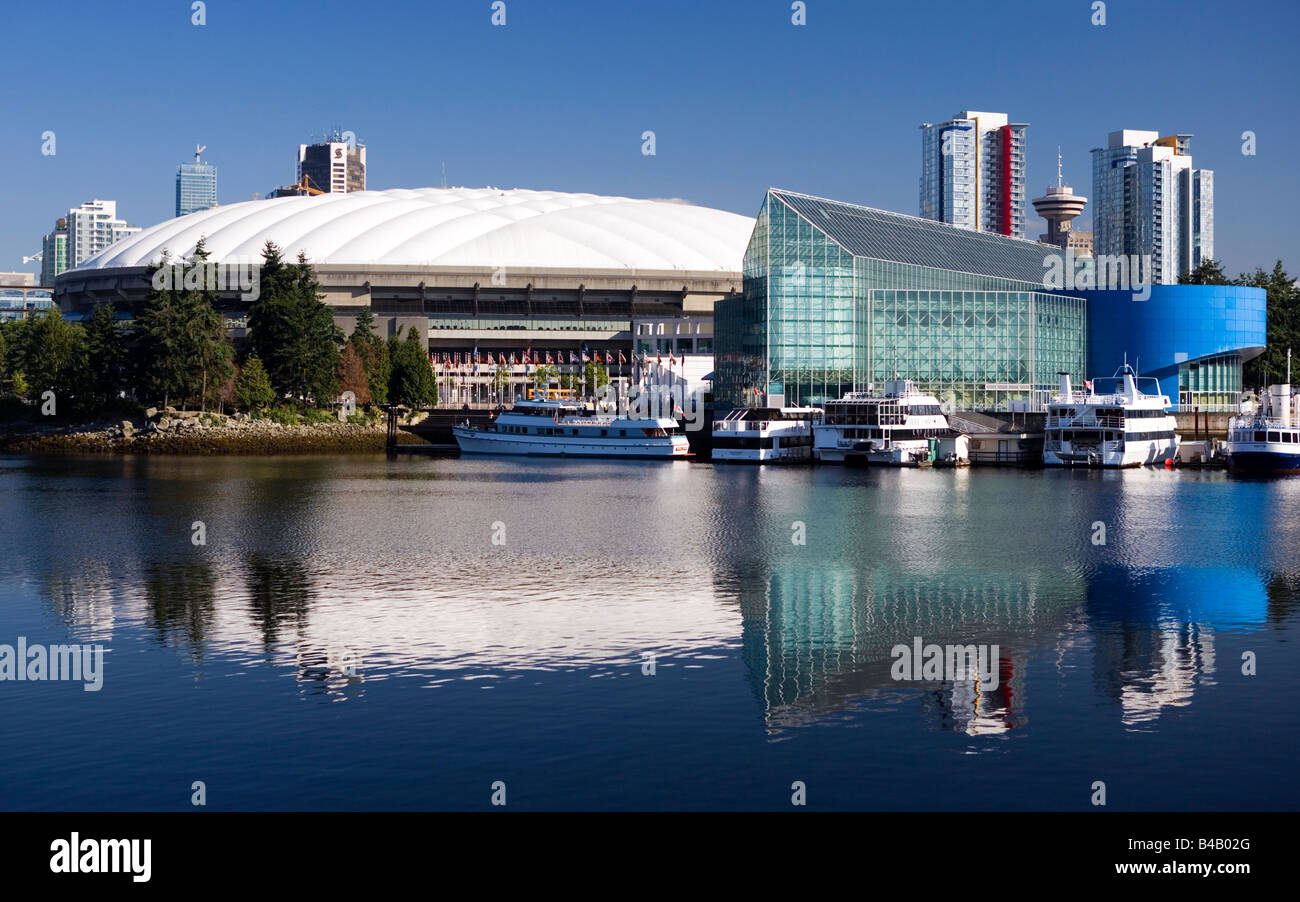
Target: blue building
1193, 338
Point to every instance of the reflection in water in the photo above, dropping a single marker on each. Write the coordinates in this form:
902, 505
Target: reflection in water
279, 593
376, 582
180, 602
820, 638
1152, 632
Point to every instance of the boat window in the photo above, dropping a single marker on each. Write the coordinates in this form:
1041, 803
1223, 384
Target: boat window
1259, 437
1274, 437
574, 431
623, 433
604, 432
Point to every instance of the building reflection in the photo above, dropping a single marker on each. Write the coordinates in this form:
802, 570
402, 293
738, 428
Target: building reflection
1153, 632
818, 639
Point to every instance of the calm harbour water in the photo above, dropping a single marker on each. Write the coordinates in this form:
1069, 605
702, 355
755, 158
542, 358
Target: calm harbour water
524, 662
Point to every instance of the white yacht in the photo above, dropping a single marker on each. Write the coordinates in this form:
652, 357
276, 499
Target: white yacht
562, 429
897, 428
1267, 441
765, 434
1119, 427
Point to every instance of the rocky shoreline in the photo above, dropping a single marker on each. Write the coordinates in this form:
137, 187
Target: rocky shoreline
188, 432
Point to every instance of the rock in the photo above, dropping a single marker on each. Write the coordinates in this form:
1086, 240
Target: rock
128, 429
151, 413
164, 423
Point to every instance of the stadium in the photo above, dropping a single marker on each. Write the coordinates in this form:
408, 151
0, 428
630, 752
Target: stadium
478, 270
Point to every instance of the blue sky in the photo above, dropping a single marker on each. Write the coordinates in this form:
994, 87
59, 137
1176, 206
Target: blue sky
738, 98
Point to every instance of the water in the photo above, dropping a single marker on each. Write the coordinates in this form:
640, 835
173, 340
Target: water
350, 637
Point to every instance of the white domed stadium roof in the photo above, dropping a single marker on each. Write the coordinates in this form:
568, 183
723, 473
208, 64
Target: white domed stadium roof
455, 227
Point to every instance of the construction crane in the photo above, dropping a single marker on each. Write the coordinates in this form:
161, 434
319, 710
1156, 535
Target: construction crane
304, 184
38, 257
198, 149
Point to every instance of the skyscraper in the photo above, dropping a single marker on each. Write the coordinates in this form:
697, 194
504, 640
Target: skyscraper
1149, 200
334, 166
92, 227
54, 253
196, 185
973, 172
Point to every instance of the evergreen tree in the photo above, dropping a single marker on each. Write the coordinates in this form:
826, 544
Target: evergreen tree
104, 376
210, 347
253, 389
1207, 272
412, 380
293, 332
1283, 316
373, 352
182, 348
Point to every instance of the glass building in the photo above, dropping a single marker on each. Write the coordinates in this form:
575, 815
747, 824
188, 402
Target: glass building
196, 187
839, 298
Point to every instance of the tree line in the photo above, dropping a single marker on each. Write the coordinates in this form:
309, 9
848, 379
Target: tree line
176, 351
1282, 315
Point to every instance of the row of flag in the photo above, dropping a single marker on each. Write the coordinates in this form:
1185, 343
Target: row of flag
453, 359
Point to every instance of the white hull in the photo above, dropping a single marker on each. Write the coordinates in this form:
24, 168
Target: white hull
764, 455
1135, 454
829, 448
475, 441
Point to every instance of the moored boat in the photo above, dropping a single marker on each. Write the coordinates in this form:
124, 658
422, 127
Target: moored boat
563, 429
1267, 441
766, 434
1119, 427
899, 428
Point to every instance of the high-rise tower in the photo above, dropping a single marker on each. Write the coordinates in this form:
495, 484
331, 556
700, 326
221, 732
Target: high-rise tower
973, 172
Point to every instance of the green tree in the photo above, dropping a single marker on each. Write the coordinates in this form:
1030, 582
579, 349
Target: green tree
253, 389
293, 332
211, 348
543, 375
104, 376
54, 357
412, 381
1207, 272
373, 352
594, 378
1283, 315
181, 343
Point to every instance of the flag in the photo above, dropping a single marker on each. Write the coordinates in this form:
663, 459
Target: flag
512, 358
585, 358
549, 358
621, 359
609, 358
659, 359
573, 358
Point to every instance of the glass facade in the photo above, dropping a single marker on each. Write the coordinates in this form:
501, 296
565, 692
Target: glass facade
196, 187
838, 298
